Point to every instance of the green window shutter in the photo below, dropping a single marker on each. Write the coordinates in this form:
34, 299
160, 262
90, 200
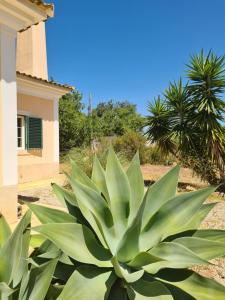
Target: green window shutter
34, 136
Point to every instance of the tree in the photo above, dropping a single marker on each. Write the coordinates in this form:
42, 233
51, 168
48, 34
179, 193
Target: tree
116, 118
188, 122
72, 121
207, 75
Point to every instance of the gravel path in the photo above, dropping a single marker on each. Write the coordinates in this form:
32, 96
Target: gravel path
215, 220
42, 195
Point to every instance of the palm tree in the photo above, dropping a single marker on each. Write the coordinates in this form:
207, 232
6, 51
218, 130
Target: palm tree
158, 128
188, 122
179, 108
207, 75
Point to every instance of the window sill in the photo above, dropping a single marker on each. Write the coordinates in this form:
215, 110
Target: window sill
31, 152
22, 152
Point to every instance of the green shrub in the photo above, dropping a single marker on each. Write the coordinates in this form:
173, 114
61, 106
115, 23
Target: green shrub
131, 142
84, 157
122, 243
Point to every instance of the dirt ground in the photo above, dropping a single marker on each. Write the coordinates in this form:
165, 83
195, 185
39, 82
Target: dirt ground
215, 220
154, 172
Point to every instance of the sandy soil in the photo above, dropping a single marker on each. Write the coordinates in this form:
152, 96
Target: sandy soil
154, 172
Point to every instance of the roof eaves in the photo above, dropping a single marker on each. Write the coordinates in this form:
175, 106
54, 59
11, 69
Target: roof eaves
53, 83
47, 7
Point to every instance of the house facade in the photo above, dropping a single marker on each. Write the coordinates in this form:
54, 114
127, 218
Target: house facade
29, 129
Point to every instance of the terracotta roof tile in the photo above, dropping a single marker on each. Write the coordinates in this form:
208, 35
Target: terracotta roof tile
65, 86
48, 7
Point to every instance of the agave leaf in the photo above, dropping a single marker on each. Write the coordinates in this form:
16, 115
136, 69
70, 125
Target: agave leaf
54, 254
94, 202
117, 292
23, 263
24, 285
51, 215
121, 272
36, 240
11, 251
119, 192
175, 213
143, 259
205, 249
49, 250
211, 234
5, 291
54, 292
65, 259
136, 181
38, 282
88, 282
64, 271
179, 294
51, 254
129, 245
98, 177
76, 241
89, 217
143, 289
69, 201
79, 175
64, 195
5, 230
160, 193
198, 218
46, 246
199, 287
174, 256
190, 228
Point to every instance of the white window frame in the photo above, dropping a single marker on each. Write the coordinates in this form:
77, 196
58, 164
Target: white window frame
23, 132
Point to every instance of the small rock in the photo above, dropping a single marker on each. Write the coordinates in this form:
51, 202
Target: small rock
190, 188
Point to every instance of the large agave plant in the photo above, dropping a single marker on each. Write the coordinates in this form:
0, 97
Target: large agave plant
20, 279
124, 243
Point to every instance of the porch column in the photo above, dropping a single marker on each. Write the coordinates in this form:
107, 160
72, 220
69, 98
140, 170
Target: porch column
56, 130
8, 123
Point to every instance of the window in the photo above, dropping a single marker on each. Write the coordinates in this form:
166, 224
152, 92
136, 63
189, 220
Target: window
29, 133
34, 133
20, 132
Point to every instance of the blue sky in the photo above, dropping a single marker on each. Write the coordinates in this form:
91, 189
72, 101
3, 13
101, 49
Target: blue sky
130, 49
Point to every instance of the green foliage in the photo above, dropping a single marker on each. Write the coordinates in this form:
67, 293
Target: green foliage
72, 122
108, 119
124, 243
188, 122
20, 278
125, 146
158, 128
129, 144
84, 157
116, 118
132, 142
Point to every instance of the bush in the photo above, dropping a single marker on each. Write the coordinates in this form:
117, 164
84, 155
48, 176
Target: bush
84, 157
125, 146
131, 142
